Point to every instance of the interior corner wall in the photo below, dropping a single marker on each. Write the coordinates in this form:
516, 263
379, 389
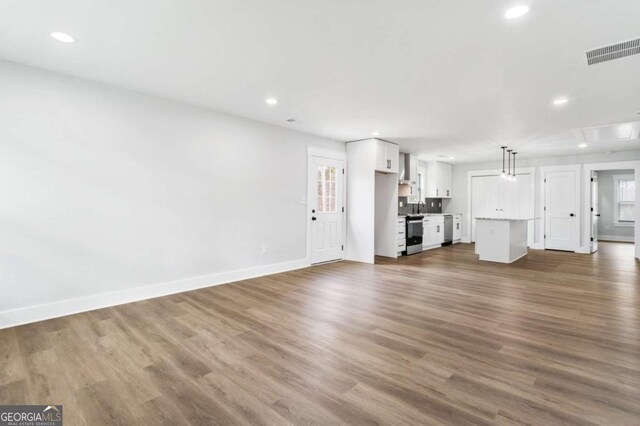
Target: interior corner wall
107, 191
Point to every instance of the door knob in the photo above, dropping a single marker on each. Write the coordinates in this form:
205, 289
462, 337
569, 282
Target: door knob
313, 218
571, 214
597, 214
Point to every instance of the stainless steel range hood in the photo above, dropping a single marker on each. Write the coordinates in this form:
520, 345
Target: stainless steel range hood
408, 165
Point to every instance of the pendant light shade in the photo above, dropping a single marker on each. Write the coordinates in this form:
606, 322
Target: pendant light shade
503, 174
509, 164
514, 166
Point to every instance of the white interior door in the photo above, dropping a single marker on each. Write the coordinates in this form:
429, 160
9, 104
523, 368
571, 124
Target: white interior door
326, 205
595, 214
561, 219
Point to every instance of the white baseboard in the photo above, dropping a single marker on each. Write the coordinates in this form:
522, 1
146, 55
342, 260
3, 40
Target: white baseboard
62, 308
537, 246
615, 238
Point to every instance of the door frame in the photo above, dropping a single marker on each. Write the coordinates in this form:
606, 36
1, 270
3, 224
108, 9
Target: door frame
577, 168
600, 167
593, 214
314, 151
467, 238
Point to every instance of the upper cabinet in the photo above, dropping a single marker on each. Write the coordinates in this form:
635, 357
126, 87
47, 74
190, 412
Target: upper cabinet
386, 156
438, 180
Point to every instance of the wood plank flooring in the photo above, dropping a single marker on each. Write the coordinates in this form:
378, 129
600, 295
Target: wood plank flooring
435, 338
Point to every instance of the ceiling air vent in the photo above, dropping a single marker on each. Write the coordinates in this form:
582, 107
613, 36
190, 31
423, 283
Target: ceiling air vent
615, 51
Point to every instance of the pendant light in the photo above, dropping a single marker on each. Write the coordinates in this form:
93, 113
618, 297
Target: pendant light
509, 169
503, 174
514, 166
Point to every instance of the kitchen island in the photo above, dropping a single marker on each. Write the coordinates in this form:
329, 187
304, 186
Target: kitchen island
501, 240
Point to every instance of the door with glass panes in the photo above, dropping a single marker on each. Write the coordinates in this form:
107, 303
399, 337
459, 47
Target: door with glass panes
326, 207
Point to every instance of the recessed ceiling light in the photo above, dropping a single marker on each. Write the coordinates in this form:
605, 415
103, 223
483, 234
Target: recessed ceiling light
375, 133
516, 12
582, 145
272, 101
65, 38
560, 101
452, 158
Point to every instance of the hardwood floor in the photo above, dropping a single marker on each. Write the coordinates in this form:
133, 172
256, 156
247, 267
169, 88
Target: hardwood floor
436, 338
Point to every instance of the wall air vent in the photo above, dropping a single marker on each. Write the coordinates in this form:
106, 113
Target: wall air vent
615, 51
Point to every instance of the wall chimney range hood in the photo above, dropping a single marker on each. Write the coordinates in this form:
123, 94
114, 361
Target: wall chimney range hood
408, 172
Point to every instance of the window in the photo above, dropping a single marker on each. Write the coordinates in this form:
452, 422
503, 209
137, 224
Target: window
326, 189
624, 187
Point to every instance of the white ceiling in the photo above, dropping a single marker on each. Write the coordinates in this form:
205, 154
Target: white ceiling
439, 77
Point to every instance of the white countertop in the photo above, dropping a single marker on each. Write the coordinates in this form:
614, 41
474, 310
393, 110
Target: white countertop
430, 214
506, 218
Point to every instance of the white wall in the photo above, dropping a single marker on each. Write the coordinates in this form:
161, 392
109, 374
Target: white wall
104, 190
606, 227
458, 204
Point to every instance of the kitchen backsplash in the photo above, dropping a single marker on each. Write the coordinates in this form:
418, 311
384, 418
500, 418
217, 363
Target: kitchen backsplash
432, 205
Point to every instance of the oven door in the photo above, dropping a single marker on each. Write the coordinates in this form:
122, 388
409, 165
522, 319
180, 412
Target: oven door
414, 232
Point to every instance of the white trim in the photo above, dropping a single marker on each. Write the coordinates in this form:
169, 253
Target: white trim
326, 153
314, 151
495, 172
624, 224
614, 165
578, 247
62, 308
619, 238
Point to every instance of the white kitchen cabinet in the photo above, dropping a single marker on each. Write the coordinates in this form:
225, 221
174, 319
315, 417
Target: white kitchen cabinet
439, 233
433, 235
372, 200
414, 193
496, 198
401, 235
438, 180
457, 228
387, 155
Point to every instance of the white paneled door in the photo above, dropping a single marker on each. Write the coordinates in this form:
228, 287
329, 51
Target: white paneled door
326, 205
560, 210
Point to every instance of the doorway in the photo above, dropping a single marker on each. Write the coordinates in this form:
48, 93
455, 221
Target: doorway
612, 206
325, 205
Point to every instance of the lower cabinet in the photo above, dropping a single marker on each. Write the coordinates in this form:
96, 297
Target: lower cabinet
402, 236
433, 232
457, 228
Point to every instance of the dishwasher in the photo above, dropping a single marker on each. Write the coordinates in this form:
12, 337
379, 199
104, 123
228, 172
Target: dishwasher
448, 229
